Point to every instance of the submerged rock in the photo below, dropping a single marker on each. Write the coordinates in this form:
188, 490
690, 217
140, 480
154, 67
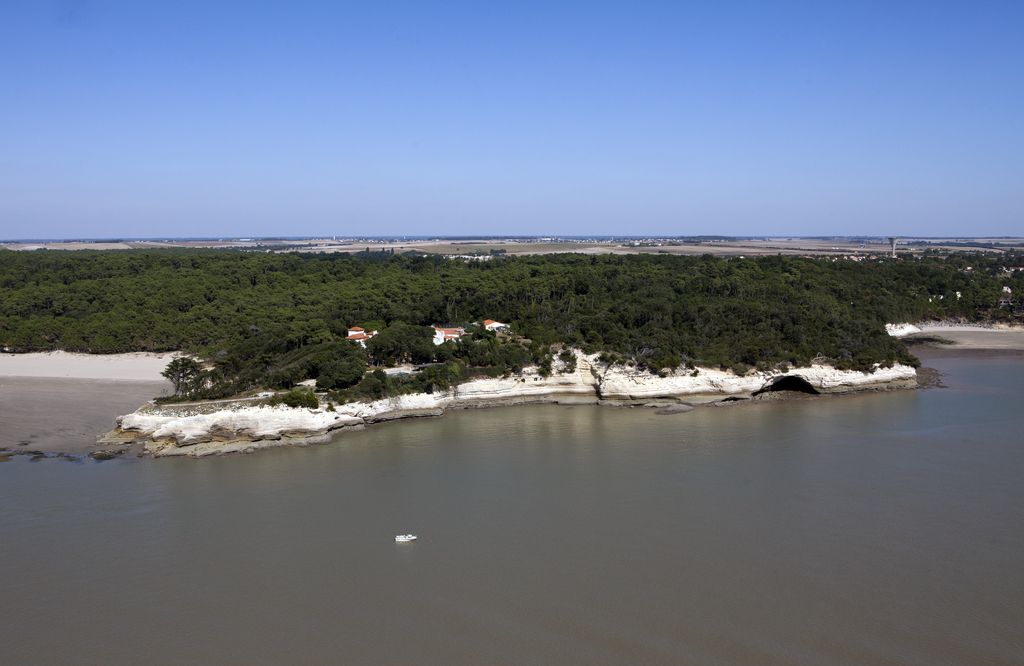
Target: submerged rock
106, 454
681, 408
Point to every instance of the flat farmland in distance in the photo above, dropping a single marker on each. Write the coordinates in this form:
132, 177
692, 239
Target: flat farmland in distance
536, 246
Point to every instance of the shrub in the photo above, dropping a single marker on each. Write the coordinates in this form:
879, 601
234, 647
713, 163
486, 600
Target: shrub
544, 366
297, 397
568, 360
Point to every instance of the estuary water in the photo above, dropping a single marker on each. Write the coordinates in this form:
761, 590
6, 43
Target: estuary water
872, 529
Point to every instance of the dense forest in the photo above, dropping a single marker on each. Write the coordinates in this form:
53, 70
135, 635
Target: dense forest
262, 319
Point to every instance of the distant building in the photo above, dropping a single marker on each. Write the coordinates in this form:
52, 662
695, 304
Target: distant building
443, 335
360, 335
492, 325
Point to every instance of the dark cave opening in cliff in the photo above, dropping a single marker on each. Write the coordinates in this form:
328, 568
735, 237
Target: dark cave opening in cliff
792, 383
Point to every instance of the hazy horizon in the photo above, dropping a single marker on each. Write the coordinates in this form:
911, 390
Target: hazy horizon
471, 237
133, 120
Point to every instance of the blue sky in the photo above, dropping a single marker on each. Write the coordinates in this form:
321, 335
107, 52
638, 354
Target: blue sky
251, 118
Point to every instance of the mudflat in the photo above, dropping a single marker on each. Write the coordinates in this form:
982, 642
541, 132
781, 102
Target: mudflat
51, 415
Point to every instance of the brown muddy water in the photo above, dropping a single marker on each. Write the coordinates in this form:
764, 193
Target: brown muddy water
873, 529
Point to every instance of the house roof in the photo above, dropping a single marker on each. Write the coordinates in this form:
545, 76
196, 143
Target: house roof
488, 322
450, 333
356, 328
357, 336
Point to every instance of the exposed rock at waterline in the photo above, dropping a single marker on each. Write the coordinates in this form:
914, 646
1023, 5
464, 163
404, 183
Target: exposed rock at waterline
681, 408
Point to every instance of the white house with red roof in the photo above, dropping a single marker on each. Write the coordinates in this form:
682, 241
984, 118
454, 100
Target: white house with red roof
360, 335
443, 335
492, 325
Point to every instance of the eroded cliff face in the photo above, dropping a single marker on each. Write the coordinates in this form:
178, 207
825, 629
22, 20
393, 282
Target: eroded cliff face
709, 385
581, 383
242, 426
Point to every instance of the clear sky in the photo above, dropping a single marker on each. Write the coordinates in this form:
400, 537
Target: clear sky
255, 118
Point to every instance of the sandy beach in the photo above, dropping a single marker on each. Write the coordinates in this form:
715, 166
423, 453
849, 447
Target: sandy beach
135, 367
973, 337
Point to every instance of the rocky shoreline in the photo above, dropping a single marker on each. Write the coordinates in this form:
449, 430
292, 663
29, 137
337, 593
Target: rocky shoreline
246, 425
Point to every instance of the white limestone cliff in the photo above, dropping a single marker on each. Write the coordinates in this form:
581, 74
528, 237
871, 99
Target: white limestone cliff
901, 330
622, 383
242, 426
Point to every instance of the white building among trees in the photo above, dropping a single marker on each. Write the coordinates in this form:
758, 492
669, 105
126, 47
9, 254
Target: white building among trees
443, 335
492, 325
360, 335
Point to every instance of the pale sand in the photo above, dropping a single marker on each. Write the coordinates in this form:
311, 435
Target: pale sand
136, 367
974, 337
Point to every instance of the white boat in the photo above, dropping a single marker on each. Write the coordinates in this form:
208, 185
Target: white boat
402, 538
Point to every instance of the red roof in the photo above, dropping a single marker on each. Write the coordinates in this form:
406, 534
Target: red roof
356, 328
450, 333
